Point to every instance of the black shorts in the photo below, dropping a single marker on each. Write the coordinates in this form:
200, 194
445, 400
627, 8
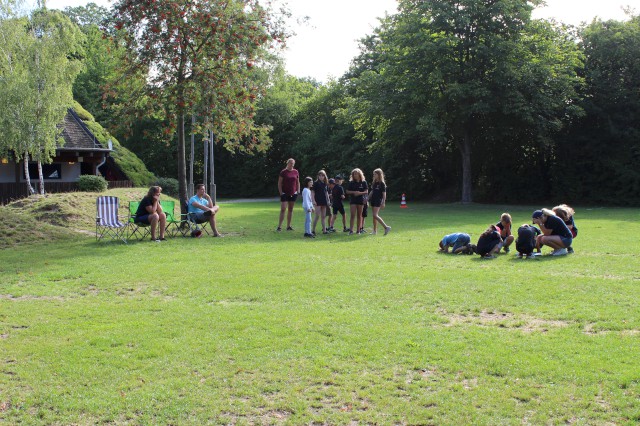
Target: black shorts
376, 203
142, 219
338, 209
288, 198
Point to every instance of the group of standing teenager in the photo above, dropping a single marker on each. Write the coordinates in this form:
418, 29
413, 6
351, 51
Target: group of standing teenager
325, 197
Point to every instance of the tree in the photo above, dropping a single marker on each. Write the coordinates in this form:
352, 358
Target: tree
444, 71
38, 69
198, 58
599, 157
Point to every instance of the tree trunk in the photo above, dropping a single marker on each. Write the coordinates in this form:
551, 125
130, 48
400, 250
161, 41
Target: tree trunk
467, 182
182, 163
40, 178
27, 175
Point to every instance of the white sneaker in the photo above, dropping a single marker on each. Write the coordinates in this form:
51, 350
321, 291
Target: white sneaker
559, 252
386, 230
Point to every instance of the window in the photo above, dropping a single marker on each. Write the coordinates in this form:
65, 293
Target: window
49, 171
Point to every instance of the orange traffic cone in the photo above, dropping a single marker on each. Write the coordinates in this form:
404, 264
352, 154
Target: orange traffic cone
403, 202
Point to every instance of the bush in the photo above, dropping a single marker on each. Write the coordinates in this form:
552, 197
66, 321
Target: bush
169, 186
91, 183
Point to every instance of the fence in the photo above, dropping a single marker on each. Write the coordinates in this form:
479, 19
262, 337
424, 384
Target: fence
12, 191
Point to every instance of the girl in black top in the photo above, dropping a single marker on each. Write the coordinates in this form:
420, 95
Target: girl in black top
150, 212
357, 189
489, 243
320, 196
556, 233
378, 199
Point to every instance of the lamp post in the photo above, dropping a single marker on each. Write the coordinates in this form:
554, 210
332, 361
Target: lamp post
212, 182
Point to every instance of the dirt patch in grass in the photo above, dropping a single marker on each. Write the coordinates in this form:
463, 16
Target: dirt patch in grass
524, 323
27, 297
592, 329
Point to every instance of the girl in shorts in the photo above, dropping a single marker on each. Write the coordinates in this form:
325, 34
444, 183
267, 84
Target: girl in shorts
320, 200
555, 233
566, 213
378, 199
357, 189
489, 243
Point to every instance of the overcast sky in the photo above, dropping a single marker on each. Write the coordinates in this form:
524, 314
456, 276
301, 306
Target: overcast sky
325, 46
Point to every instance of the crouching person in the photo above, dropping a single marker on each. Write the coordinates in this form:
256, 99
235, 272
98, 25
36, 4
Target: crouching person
489, 243
457, 241
202, 209
526, 242
555, 232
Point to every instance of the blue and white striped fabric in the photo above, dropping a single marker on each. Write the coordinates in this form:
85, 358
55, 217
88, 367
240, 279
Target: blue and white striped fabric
107, 221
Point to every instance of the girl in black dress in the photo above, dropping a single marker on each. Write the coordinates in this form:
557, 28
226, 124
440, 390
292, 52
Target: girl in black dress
357, 189
378, 199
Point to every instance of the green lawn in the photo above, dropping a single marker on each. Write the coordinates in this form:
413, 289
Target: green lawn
269, 328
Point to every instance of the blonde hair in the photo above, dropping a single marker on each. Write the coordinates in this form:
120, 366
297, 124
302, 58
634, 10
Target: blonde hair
380, 173
324, 174
564, 212
357, 172
505, 217
548, 212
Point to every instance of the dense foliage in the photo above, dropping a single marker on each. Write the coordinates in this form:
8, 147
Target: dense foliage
92, 183
465, 100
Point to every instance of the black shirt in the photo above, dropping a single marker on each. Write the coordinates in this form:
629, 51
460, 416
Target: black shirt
557, 227
336, 195
321, 195
360, 187
377, 190
142, 208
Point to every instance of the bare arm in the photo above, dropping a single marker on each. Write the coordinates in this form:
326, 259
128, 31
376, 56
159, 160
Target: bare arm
280, 185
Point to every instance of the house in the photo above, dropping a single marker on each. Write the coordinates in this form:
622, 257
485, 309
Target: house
81, 154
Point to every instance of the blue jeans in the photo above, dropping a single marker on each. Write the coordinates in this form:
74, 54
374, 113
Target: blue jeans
307, 222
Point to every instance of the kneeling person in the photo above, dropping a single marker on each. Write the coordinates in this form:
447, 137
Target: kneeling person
202, 209
458, 241
489, 243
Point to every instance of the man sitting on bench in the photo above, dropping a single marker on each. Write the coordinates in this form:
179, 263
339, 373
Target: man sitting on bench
202, 209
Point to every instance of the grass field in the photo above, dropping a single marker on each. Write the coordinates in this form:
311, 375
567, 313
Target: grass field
262, 327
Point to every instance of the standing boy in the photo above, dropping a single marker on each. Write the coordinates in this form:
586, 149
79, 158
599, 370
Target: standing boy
337, 195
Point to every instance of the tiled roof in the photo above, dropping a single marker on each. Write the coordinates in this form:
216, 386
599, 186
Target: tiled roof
76, 135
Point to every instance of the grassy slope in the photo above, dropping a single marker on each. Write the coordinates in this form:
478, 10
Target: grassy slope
261, 327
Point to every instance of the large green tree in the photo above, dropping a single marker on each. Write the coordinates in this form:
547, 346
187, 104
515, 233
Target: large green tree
449, 72
599, 158
198, 58
39, 65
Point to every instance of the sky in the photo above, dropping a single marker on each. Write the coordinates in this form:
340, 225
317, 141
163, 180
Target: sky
324, 46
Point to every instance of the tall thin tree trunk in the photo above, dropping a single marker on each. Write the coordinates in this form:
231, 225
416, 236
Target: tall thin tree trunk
182, 162
467, 182
40, 178
27, 175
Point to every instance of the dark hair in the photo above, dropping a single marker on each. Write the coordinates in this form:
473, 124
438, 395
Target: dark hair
200, 185
307, 180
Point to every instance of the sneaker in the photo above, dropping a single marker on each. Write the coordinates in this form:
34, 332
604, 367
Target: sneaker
520, 256
306, 235
386, 230
218, 235
506, 249
162, 239
325, 232
346, 230
332, 230
278, 229
289, 228
372, 233
559, 252
313, 233
570, 250
488, 256
350, 232
156, 240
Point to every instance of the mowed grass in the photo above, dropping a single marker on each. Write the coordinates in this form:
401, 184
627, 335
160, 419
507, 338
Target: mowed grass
262, 327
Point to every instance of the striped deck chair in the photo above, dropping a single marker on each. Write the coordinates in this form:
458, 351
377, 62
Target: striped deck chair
107, 222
